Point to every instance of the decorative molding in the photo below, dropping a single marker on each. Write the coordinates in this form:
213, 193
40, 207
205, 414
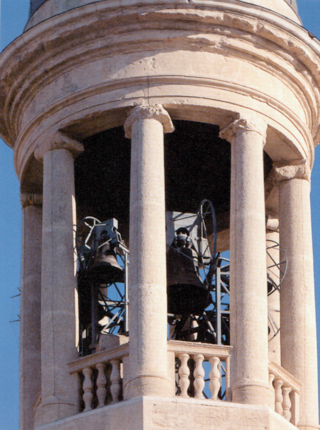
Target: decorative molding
245, 125
58, 141
141, 112
266, 25
82, 118
295, 170
30, 200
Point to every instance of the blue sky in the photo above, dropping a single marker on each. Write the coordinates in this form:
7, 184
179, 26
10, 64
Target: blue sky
12, 19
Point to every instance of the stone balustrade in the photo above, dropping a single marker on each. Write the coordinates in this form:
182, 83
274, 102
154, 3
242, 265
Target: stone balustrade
202, 371
286, 392
100, 377
194, 361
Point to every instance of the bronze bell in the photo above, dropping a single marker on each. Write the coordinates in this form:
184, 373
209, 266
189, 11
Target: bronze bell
186, 292
105, 268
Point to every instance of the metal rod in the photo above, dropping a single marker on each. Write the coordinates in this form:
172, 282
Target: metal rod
218, 306
94, 314
126, 298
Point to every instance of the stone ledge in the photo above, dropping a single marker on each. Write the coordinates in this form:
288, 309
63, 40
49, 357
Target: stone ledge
151, 413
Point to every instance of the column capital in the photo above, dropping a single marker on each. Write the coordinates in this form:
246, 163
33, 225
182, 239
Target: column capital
58, 141
30, 200
245, 125
141, 112
295, 170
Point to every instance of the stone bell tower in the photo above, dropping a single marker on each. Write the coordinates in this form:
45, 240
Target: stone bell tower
126, 110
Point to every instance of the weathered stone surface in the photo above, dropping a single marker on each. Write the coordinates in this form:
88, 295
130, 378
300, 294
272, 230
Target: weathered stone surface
154, 413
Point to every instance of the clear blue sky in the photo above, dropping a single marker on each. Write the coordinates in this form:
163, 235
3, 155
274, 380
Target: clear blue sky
13, 18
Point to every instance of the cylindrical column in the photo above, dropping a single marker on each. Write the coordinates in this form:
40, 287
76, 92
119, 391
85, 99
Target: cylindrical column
297, 300
248, 285
274, 275
30, 312
58, 281
147, 273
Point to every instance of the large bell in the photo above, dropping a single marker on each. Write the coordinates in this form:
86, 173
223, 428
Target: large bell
106, 269
186, 292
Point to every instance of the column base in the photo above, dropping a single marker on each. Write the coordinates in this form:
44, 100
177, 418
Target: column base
253, 394
149, 385
53, 409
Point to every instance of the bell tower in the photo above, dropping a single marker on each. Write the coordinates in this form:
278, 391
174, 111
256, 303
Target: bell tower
164, 151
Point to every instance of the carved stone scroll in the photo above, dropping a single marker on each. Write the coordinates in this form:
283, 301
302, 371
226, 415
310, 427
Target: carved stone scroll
244, 125
148, 112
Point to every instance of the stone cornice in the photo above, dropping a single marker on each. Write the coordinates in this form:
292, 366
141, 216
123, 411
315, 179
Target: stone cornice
295, 170
148, 112
50, 9
245, 125
32, 132
58, 141
30, 200
289, 36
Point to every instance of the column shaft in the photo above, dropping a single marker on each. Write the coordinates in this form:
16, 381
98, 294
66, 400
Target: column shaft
248, 287
30, 313
298, 322
147, 275
59, 285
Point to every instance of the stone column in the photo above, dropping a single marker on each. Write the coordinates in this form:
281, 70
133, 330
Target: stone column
248, 285
273, 259
147, 274
297, 300
58, 281
30, 312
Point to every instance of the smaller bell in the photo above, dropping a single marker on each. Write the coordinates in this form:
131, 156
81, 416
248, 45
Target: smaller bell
106, 269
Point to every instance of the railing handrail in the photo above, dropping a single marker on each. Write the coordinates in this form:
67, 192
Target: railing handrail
105, 356
280, 373
206, 349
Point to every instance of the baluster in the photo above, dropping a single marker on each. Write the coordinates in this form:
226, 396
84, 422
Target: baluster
115, 381
271, 379
286, 403
101, 384
87, 388
199, 376
215, 377
184, 375
278, 396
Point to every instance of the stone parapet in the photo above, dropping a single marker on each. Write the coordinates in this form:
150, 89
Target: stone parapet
152, 412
